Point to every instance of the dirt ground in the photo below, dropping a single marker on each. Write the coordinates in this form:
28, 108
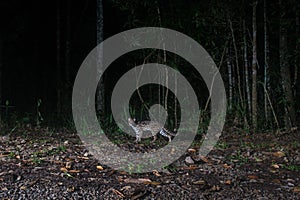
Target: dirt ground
40, 163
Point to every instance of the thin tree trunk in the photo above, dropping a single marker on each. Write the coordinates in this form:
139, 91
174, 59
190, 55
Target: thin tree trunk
295, 85
285, 72
266, 67
1, 67
230, 80
175, 91
175, 100
254, 70
58, 61
237, 65
164, 61
68, 43
100, 103
246, 66
241, 98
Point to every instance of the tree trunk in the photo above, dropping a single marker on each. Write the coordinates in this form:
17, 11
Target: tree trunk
246, 67
1, 67
297, 52
68, 43
100, 103
266, 66
58, 61
230, 80
289, 107
254, 70
241, 102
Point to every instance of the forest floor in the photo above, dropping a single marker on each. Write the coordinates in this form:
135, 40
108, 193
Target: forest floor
46, 164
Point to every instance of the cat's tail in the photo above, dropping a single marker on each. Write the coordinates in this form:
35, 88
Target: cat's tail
168, 132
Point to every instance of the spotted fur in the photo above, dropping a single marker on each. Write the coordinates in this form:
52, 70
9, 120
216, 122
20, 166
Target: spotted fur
152, 126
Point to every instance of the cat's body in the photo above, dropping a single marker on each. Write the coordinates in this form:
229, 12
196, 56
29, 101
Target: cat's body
152, 126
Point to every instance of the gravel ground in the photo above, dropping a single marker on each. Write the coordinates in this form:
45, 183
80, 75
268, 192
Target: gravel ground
39, 164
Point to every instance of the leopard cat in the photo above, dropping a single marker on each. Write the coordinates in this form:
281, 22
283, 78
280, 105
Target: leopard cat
152, 126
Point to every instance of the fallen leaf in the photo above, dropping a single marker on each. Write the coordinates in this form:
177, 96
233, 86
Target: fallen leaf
68, 175
276, 166
192, 167
120, 179
252, 177
152, 183
172, 151
155, 172
23, 188
279, 154
139, 180
191, 150
296, 189
290, 180
83, 157
118, 193
99, 167
63, 169
227, 182
277, 181
111, 172
204, 159
215, 188
200, 182
74, 171
226, 166
18, 178
127, 187
71, 189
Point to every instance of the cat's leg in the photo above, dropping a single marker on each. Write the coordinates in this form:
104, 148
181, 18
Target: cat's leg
154, 136
138, 136
163, 133
169, 138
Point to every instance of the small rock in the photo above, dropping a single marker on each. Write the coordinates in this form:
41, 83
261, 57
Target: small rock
290, 184
189, 160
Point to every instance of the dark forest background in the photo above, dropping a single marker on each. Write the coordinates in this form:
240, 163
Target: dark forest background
256, 44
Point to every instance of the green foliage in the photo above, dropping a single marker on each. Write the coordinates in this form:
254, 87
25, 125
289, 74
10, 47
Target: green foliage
171, 168
12, 154
295, 168
222, 145
57, 150
36, 158
239, 158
